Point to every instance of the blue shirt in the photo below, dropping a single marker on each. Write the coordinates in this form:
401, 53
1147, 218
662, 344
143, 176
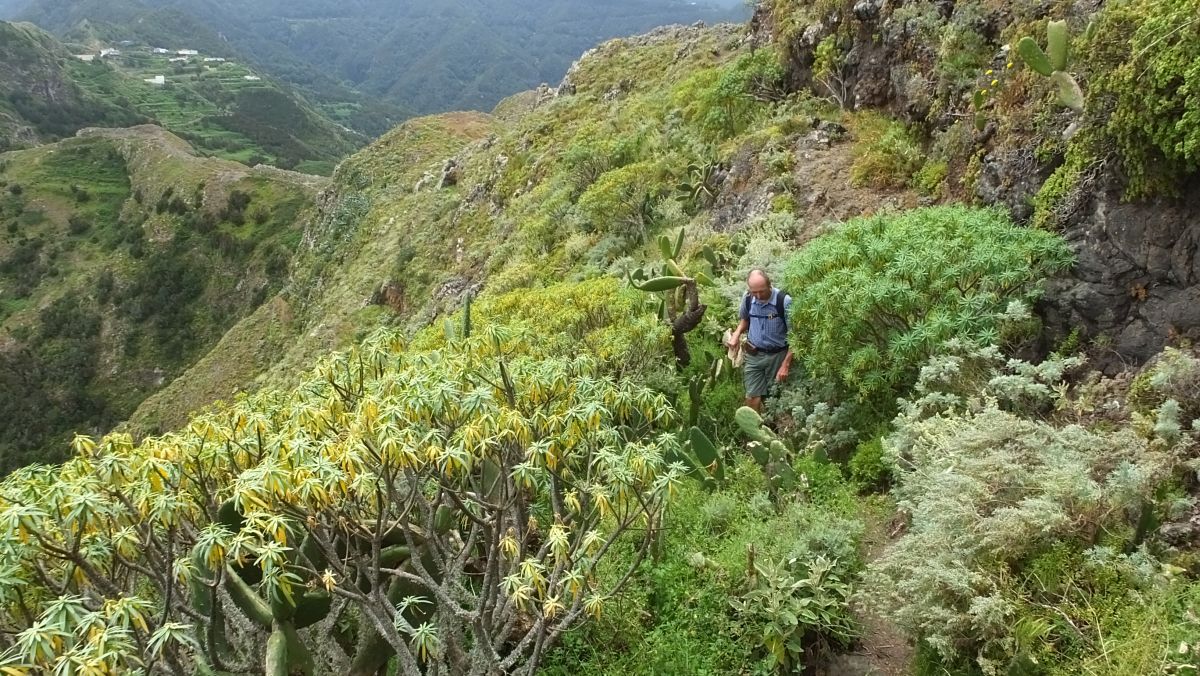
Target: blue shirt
767, 328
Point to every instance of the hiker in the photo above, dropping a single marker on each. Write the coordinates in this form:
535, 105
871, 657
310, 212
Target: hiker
763, 316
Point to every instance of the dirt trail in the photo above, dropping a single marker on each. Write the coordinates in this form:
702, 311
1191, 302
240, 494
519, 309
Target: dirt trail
883, 649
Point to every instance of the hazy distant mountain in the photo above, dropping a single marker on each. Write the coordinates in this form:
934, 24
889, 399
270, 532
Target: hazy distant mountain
420, 54
9, 8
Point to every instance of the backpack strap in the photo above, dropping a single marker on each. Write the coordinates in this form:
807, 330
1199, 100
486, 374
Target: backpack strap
780, 297
780, 309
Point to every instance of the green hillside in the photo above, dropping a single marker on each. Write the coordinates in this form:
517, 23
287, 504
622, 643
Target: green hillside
123, 258
486, 424
224, 108
38, 96
93, 22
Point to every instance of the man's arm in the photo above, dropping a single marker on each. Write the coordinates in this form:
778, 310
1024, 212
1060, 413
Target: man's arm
742, 327
785, 367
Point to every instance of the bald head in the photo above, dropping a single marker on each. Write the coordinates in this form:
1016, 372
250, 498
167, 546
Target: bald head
758, 276
758, 284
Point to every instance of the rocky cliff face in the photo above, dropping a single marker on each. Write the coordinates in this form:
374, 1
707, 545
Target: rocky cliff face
1137, 279
1136, 285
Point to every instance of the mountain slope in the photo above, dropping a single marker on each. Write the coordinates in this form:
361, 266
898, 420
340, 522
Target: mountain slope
39, 96
100, 21
454, 203
221, 106
458, 55
123, 258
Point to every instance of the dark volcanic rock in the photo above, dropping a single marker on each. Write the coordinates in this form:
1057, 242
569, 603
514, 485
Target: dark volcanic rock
1137, 278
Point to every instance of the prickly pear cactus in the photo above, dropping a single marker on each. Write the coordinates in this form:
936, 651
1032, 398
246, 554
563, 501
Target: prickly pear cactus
768, 450
1052, 63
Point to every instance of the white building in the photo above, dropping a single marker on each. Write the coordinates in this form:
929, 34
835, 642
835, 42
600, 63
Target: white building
86, 57
160, 50
186, 52
213, 59
252, 78
178, 59
157, 80
104, 53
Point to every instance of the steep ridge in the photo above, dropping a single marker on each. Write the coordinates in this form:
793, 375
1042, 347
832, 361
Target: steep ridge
454, 204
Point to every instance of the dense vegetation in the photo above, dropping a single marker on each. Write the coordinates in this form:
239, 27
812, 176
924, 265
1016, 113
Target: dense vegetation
112, 280
519, 471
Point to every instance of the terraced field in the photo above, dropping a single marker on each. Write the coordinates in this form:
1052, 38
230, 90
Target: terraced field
223, 108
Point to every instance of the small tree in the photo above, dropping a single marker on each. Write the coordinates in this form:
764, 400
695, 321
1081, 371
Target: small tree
622, 200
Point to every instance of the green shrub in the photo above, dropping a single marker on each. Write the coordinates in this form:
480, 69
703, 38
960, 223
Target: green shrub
794, 605
1147, 72
886, 154
596, 317
868, 466
595, 151
821, 428
78, 224
723, 102
1061, 192
676, 616
1173, 374
874, 298
622, 201
931, 179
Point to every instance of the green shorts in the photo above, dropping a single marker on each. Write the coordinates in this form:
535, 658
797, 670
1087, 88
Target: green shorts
759, 372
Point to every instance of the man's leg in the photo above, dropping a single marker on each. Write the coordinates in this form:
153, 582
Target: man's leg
755, 379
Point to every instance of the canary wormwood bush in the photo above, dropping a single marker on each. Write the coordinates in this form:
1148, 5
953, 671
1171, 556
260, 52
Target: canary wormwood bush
445, 509
988, 490
877, 296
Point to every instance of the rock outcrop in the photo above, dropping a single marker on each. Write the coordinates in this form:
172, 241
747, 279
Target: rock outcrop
1136, 284
1137, 276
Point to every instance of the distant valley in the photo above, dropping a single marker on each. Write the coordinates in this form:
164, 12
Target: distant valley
49, 90
410, 55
